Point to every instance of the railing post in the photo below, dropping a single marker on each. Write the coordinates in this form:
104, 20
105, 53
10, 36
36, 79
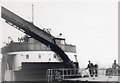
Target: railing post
48, 75
51, 74
70, 72
63, 73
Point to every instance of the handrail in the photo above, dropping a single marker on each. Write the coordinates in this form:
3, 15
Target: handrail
66, 73
61, 74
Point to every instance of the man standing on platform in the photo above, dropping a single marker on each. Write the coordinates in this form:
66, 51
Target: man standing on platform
96, 70
91, 68
114, 68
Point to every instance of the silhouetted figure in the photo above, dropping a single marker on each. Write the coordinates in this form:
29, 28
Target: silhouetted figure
96, 70
91, 68
114, 67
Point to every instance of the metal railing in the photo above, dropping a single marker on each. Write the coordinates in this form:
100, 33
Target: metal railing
66, 73
100, 72
61, 74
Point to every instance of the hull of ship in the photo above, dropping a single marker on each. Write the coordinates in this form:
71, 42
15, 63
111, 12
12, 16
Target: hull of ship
34, 71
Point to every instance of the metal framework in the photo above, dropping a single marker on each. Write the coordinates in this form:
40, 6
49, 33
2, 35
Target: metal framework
35, 32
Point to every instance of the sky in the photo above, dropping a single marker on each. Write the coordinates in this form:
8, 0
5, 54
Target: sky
91, 25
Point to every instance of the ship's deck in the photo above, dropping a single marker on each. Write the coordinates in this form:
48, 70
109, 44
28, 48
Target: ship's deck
97, 79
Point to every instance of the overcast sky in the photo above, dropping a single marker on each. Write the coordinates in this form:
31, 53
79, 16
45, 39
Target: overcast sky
91, 25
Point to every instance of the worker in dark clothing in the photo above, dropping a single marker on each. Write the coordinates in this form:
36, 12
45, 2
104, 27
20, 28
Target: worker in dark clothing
91, 68
96, 70
115, 67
